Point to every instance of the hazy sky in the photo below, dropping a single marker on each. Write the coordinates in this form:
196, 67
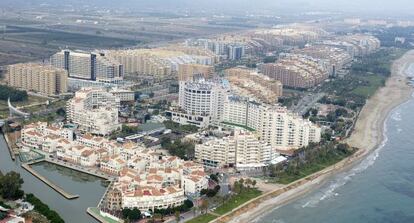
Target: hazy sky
388, 6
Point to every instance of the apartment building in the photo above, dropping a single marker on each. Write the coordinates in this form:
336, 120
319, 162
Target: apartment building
200, 102
38, 78
95, 110
159, 62
124, 95
187, 72
251, 84
275, 125
95, 66
296, 71
242, 150
335, 58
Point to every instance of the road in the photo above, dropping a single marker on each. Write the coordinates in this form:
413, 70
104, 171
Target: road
307, 103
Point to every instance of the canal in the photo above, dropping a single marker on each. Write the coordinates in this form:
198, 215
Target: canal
89, 188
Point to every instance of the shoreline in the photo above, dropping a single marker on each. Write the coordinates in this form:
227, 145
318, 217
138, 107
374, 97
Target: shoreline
368, 135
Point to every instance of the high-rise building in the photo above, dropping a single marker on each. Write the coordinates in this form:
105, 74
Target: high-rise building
39, 78
203, 97
241, 150
95, 111
88, 66
282, 129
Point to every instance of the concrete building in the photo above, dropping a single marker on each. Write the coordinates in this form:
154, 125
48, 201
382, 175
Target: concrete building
296, 71
186, 72
88, 66
275, 125
94, 110
242, 150
159, 62
335, 58
38, 78
258, 87
124, 95
203, 98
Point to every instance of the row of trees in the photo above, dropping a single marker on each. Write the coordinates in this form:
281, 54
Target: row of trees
43, 209
180, 128
308, 160
132, 215
14, 95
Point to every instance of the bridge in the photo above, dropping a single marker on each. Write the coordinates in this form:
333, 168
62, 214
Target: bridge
14, 112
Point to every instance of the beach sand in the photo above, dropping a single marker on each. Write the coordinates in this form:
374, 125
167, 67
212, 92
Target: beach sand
367, 136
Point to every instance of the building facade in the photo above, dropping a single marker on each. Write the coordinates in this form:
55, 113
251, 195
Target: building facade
88, 66
282, 129
94, 110
38, 78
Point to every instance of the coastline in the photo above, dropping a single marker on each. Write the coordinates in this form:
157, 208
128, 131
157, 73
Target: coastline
368, 134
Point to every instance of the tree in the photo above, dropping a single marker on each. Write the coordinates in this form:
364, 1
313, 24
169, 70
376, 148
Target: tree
204, 206
10, 186
177, 216
131, 214
61, 112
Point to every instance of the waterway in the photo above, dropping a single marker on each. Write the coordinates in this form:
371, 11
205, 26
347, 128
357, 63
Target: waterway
379, 190
89, 188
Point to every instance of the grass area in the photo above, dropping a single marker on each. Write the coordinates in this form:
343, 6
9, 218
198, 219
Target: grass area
107, 219
202, 218
237, 200
373, 82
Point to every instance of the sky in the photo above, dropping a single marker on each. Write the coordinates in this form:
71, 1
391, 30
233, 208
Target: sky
380, 6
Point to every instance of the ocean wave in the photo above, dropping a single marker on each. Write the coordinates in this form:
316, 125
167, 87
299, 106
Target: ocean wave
396, 116
330, 191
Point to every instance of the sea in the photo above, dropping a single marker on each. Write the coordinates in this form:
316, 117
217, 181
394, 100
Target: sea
380, 189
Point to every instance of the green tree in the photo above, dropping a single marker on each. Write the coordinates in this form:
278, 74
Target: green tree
10, 185
177, 216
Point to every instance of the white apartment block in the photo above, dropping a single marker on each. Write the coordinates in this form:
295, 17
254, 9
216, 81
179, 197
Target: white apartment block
275, 125
243, 150
202, 97
94, 110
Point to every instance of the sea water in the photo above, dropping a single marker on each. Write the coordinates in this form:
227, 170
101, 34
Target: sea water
380, 189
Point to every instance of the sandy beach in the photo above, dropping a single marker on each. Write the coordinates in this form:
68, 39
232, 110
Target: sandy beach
368, 135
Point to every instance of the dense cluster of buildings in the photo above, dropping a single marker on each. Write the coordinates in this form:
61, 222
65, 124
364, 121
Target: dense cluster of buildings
290, 35
160, 62
254, 85
38, 78
296, 71
144, 178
